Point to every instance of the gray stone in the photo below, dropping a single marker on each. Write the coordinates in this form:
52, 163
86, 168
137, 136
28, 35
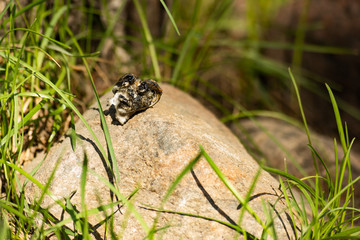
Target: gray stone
151, 149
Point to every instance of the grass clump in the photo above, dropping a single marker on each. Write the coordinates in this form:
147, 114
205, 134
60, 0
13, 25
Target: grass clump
36, 104
327, 209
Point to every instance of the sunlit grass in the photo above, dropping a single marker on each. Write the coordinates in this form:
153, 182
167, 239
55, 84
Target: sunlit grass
332, 217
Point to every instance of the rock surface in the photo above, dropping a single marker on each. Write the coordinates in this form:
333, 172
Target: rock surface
151, 149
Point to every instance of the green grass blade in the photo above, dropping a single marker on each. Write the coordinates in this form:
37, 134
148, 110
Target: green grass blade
112, 20
32, 179
289, 206
149, 40
300, 105
248, 195
337, 118
85, 228
183, 54
28, 7
270, 227
171, 189
72, 211
235, 227
44, 191
305, 125
344, 163
263, 113
110, 148
124, 200
180, 176
291, 177
328, 175
36, 33
352, 233
170, 16
71, 54
231, 187
49, 31
4, 10
23, 121
328, 204
80, 215
5, 205
4, 224
300, 34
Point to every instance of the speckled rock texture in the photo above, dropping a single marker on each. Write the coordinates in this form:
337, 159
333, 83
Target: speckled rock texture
151, 149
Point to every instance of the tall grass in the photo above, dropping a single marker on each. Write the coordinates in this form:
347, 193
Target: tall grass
332, 208
38, 53
35, 87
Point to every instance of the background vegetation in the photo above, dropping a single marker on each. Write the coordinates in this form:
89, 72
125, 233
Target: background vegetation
56, 56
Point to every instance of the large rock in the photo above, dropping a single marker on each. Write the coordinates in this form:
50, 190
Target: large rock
151, 150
